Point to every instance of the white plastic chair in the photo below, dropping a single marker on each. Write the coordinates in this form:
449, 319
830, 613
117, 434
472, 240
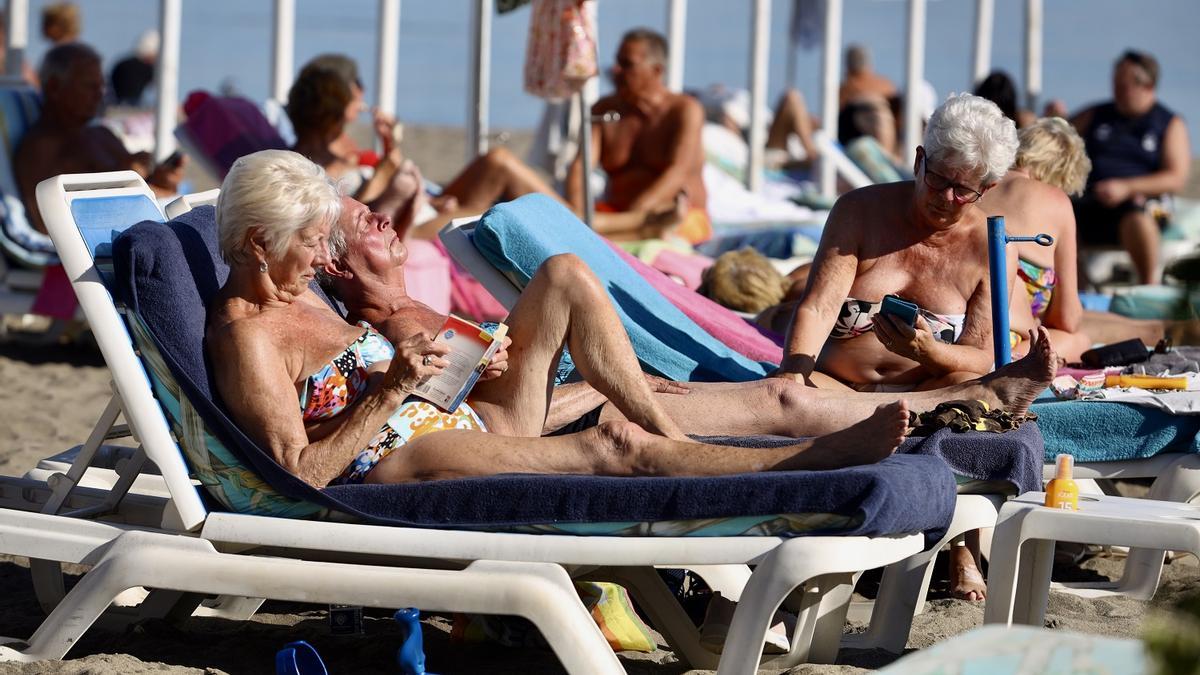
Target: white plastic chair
1023, 548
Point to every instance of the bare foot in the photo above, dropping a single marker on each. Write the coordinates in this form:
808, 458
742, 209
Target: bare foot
966, 581
866, 442
1014, 386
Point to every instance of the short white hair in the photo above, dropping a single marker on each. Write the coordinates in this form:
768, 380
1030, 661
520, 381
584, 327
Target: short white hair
969, 133
279, 192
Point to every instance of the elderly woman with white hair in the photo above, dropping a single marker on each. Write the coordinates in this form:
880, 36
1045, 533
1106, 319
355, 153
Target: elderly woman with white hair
924, 241
331, 401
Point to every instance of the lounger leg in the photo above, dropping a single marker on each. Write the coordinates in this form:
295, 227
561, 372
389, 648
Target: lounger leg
1004, 568
1143, 567
821, 620
901, 593
540, 592
1033, 583
777, 575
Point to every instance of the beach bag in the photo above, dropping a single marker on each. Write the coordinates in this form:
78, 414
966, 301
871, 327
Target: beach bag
561, 53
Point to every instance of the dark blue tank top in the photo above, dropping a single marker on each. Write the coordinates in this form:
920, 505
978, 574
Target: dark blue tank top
1120, 146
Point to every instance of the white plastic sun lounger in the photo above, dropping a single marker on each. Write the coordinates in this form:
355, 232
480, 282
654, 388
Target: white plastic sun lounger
224, 550
905, 583
1176, 478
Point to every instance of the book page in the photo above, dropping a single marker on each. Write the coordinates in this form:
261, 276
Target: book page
471, 349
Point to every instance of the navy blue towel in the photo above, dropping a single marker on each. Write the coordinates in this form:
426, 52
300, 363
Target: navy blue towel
1014, 456
168, 273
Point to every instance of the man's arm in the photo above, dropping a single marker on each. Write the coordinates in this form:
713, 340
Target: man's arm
682, 158
29, 166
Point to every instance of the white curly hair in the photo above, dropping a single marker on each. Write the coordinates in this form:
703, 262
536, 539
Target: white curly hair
969, 133
279, 192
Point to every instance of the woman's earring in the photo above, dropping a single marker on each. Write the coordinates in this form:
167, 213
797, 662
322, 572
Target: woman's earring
262, 267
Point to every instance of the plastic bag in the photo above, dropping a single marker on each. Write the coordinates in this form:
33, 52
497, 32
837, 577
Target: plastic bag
561, 53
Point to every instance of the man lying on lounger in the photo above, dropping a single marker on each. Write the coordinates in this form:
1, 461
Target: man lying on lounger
366, 270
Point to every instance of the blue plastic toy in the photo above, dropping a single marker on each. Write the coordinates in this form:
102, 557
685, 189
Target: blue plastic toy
411, 655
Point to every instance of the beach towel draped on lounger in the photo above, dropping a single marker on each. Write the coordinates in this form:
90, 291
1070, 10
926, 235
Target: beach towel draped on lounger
1110, 431
518, 236
167, 273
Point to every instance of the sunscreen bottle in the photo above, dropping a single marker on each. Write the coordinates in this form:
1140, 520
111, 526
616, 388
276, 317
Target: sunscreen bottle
1062, 493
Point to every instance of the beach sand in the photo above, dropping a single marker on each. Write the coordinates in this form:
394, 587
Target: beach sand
55, 394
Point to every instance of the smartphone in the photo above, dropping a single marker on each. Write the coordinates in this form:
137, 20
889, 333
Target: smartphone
901, 309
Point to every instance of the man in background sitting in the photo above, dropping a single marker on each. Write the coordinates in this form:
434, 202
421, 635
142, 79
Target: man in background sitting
653, 153
1139, 151
64, 140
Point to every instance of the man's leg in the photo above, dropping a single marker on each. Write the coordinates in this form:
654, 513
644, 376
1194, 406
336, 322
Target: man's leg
783, 407
1140, 236
792, 117
624, 449
565, 304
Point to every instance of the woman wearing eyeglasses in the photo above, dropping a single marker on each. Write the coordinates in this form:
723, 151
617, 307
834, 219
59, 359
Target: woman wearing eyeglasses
924, 241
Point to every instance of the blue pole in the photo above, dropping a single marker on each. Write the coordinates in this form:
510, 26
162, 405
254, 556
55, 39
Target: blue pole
998, 268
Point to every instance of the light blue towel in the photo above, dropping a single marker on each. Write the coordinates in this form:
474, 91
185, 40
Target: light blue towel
518, 236
1110, 432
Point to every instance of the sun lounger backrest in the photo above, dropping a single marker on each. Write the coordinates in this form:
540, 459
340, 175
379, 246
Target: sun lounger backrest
122, 198
517, 237
167, 274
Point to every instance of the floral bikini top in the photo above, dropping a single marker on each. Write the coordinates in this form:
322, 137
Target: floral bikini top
339, 383
1039, 283
858, 316
343, 380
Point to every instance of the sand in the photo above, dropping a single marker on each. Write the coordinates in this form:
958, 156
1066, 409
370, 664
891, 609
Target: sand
56, 393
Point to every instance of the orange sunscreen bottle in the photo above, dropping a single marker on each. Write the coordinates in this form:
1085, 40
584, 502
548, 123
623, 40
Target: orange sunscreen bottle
1062, 492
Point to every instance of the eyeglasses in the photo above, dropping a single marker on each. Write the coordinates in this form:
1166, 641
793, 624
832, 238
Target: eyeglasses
938, 183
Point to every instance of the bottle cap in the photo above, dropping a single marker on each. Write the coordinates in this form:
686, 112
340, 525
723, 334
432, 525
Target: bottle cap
1065, 463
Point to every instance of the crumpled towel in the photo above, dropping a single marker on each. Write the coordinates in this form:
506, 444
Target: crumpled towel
1178, 361
964, 415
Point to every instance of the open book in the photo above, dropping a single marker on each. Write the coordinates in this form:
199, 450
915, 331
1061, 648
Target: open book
471, 350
